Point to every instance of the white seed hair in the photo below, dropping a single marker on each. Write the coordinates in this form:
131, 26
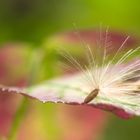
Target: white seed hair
116, 79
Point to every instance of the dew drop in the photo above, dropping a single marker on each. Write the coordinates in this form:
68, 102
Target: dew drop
9, 90
17, 91
3, 89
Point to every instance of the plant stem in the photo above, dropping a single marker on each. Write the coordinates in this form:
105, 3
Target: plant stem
18, 118
20, 114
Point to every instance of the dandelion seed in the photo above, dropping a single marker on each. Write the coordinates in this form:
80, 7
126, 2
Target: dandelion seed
108, 75
91, 96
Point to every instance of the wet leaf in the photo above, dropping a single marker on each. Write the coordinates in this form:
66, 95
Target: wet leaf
71, 90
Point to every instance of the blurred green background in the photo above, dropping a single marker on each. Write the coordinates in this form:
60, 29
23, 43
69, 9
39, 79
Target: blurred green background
33, 20
30, 31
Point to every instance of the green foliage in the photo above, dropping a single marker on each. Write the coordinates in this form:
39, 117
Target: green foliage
32, 21
118, 129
